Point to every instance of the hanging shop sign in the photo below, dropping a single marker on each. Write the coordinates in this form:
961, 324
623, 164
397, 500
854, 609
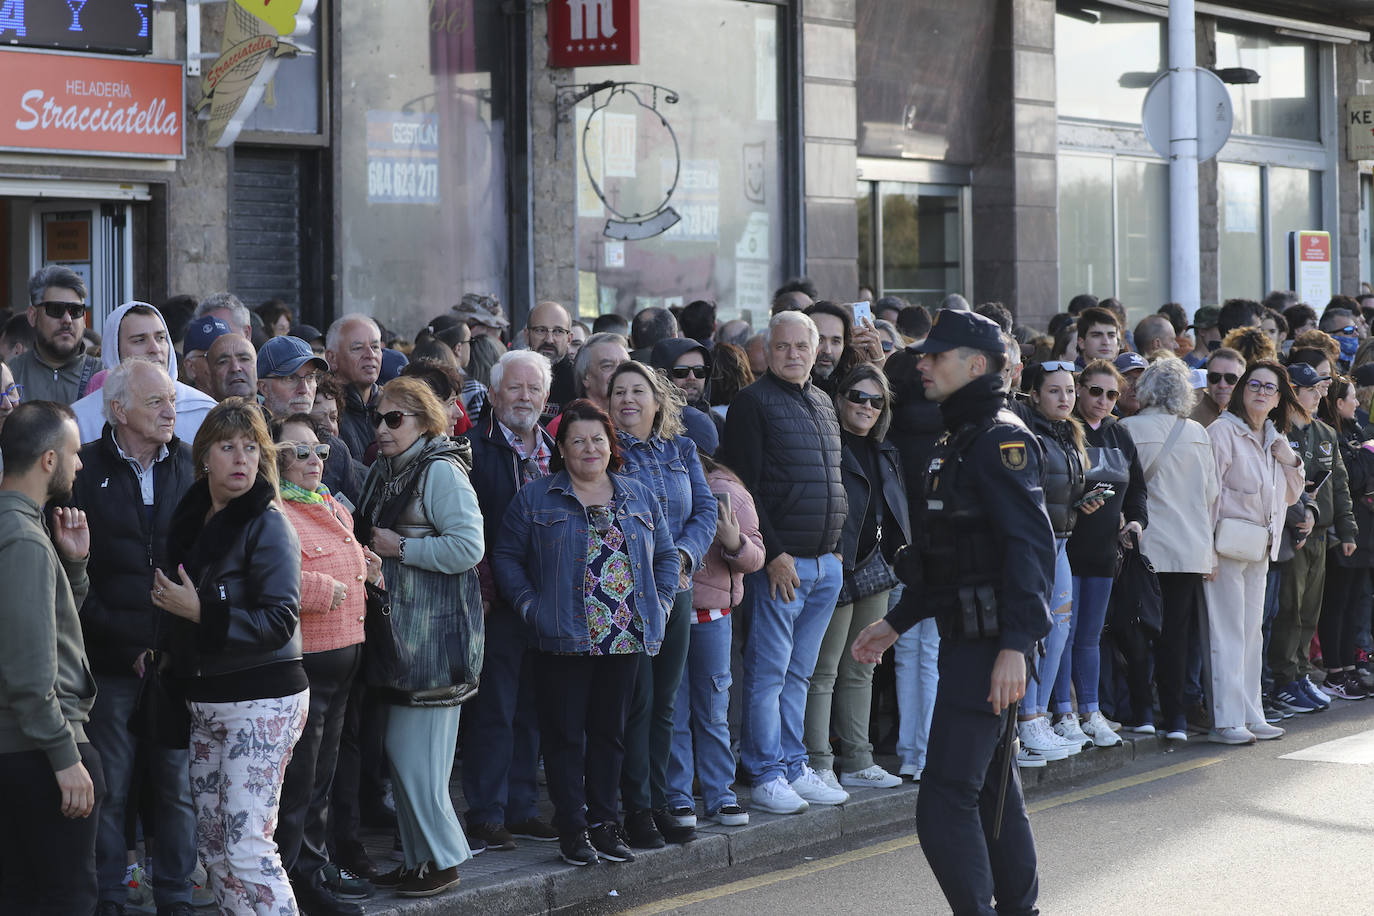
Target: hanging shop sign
119, 26
257, 36
1309, 265
101, 106
1359, 125
593, 33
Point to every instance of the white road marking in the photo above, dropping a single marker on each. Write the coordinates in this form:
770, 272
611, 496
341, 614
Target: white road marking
1354, 749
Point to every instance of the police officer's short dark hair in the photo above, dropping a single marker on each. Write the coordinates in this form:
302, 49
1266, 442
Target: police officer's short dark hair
35, 427
996, 361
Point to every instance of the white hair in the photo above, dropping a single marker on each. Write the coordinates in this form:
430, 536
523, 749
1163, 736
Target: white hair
216, 301
331, 337
119, 383
529, 358
791, 317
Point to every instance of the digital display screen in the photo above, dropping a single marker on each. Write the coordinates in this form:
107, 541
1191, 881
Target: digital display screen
119, 26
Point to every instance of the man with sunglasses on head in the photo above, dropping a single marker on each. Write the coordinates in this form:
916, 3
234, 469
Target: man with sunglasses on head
57, 367
1224, 368
688, 365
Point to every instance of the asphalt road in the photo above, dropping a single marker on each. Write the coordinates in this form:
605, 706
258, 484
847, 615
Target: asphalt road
1279, 827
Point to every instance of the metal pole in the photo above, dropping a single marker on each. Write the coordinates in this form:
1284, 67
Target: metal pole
1185, 282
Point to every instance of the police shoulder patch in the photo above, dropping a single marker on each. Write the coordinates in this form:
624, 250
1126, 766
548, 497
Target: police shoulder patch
1013, 454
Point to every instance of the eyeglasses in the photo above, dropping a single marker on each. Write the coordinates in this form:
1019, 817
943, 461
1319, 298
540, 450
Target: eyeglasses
855, 396
1264, 388
549, 332
1097, 391
392, 418
1059, 366
1214, 377
684, 371
303, 451
311, 377
56, 310
14, 393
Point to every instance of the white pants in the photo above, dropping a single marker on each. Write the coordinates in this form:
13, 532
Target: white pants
1235, 612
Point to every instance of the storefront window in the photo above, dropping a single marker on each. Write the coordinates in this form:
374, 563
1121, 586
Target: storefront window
1284, 103
1295, 203
422, 152
1086, 264
1094, 47
1239, 226
1142, 227
727, 159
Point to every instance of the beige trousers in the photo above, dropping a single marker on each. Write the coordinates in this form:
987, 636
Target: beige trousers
1235, 641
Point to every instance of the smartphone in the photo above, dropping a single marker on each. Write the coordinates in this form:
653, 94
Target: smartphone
723, 504
1312, 486
863, 313
1099, 492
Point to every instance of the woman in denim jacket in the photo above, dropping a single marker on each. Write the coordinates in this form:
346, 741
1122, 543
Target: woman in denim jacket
647, 411
585, 557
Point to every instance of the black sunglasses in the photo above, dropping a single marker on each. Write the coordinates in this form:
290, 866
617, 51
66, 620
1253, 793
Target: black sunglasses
56, 310
684, 371
303, 451
855, 396
392, 418
1097, 391
1214, 377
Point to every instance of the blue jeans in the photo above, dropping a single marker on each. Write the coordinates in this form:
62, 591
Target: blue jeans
916, 658
169, 779
1080, 667
784, 641
700, 721
1271, 609
1038, 691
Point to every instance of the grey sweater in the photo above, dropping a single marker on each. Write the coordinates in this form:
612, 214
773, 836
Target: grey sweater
46, 688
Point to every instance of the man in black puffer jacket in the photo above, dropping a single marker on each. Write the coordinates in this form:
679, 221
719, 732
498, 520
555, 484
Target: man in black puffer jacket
129, 485
783, 440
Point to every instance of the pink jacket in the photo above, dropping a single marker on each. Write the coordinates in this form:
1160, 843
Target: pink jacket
719, 583
1255, 486
329, 554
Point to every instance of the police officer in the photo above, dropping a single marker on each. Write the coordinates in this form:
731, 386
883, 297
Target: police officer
983, 568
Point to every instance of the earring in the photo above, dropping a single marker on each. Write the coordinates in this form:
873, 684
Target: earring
205, 468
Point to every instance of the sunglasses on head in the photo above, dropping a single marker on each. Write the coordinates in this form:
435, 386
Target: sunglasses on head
1097, 391
855, 396
56, 310
303, 451
1058, 365
1214, 377
392, 418
684, 371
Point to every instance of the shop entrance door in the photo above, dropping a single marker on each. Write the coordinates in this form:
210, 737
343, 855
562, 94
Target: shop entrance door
914, 232
91, 238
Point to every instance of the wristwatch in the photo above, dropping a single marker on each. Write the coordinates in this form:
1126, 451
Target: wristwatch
403, 550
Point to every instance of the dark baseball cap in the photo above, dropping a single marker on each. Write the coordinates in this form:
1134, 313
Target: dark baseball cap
1206, 317
201, 332
1129, 362
283, 356
307, 333
956, 328
1363, 376
1304, 376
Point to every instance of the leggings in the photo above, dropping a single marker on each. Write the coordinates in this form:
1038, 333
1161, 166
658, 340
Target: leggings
1339, 621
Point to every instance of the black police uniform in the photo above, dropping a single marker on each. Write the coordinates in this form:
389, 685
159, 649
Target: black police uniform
984, 570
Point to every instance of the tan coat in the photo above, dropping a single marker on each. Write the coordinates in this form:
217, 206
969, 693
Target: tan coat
1255, 486
1179, 495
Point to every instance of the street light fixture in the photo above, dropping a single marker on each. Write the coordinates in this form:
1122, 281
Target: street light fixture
1141, 79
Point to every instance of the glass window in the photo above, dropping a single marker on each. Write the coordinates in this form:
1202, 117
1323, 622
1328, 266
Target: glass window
1295, 203
1086, 263
863, 202
1095, 47
1239, 226
422, 155
728, 245
291, 102
922, 242
1142, 225
1284, 103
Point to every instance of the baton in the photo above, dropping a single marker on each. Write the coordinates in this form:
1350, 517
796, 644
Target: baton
1008, 758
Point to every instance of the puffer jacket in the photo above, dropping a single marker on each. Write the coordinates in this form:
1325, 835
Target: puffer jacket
1065, 477
719, 583
1254, 486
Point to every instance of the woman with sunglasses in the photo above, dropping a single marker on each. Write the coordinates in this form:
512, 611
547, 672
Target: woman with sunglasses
10, 395
1052, 393
877, 524
420, 515
1260, 476
1092, 550
334, 567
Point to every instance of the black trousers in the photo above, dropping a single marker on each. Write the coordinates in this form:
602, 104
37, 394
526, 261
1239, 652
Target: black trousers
359, 772
583, 703
649, 728
1340, 620
956, 808
303, 819
1184, 602
49, 859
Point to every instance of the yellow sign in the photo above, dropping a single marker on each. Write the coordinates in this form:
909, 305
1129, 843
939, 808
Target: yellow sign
256, 37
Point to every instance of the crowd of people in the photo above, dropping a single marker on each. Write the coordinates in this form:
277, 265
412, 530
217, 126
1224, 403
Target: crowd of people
256, 571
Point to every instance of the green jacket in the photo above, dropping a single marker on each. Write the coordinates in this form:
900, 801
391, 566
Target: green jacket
46, 688
1320, 449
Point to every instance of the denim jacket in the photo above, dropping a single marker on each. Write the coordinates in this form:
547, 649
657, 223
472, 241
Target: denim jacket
672, 471
540, 561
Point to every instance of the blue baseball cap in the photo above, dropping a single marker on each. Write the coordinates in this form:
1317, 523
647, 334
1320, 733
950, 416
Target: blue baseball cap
1129, 362
201, 332
1304, 376
282, 356
956, 328
393, 361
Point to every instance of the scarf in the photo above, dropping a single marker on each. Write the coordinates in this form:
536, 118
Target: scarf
295, 494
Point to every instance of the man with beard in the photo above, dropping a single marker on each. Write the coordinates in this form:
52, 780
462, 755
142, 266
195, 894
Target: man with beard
842, 346
688, 365
353, 348
549, 333
233, 366
48, 822
56, 368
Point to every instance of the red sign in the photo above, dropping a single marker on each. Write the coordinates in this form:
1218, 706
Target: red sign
1316, 247
102, 106
593, 33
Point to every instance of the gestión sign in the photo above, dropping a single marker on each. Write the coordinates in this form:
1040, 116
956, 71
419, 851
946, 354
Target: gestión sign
101, 106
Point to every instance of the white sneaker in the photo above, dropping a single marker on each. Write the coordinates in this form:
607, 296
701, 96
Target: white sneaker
1036, 736
1027, 759
777, 797
1100, 730
873, 777
828, 777
1319, 692
814, 790
1068, 728
1264, 731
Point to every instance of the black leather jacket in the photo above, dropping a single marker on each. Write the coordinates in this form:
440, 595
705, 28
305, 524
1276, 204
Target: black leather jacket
246, 563
896, 527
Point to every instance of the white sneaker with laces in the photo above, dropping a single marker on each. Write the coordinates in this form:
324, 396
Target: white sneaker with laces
777, 797
873, 777
1036, 736
1028, 759
828, 777
1100, 730
813, 789
1068, 728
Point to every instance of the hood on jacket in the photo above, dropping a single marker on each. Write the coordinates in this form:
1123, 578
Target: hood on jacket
668, 351
109, 355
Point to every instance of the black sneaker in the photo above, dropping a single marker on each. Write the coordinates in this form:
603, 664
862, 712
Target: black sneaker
109, 908
642, 831
313, 896
533, 829
673, 824
606, 839
492, 836
185, 909
577, 849
343, 883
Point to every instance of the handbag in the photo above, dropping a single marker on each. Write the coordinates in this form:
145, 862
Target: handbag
386, 657
1237, 539
871, 576
1136, 596
160, 714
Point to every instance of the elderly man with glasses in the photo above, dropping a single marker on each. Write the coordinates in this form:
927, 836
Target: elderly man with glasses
57, 367
549, 333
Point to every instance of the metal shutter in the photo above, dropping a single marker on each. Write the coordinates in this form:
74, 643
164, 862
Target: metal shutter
265, 226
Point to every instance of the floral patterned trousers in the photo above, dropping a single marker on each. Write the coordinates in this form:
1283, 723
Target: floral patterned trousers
239, 753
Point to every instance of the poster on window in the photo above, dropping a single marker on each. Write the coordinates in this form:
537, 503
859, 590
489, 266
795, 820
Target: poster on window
402, 158
697, 199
